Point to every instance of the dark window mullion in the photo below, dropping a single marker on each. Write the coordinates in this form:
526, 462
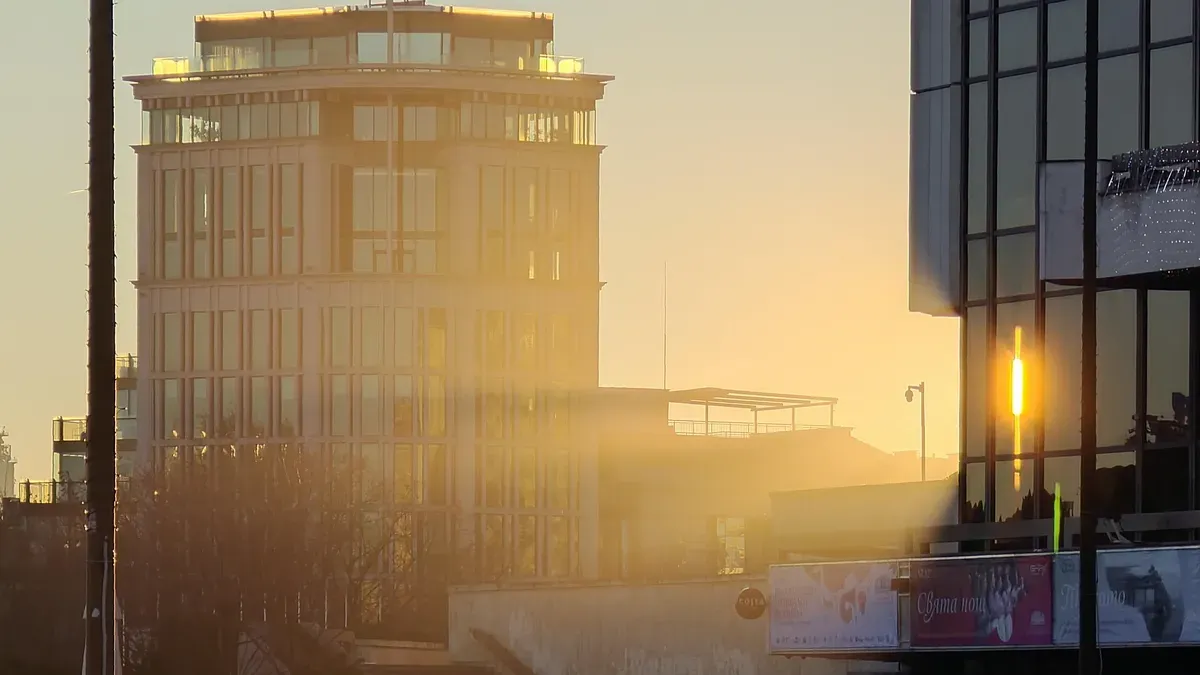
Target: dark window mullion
1139, 416
990, 352
1039, 304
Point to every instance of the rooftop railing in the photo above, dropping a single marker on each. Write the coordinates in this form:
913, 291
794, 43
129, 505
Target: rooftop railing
735, 429
74, 429
547, 64
126, 366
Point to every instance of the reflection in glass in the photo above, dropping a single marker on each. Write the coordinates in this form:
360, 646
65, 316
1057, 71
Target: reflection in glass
403, 483
1064, 112
559, 545
975, 332
1119, 25
1015, 269
1118, 115
1017, 39
436, 476
372, 48
1065, 26
1170, 19
231, 338
171, 341
977, 158
403, 336
1116, 366
1165, 480
979, 48
977, 269
1014, 490
1168, 388
1171, 95
422, 47
1016, 151
1009, 317
527, 546
973, 510
1062, 372
495, 483
1115, 483
370, 405
201, 341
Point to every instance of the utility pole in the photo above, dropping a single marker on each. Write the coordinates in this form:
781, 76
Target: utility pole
99, 652
1089, 656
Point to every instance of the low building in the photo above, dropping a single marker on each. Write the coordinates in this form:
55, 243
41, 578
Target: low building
692, 625
70, 433
690, 498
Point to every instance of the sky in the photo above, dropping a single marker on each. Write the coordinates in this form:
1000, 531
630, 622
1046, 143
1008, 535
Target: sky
759, 151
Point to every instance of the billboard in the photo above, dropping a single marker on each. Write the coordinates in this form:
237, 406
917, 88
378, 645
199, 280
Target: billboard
1145, 596
982, 602
833, 607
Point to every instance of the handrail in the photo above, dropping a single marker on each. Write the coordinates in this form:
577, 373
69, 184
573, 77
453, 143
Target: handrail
294, 71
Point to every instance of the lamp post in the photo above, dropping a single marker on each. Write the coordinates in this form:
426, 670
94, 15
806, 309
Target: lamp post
908, 396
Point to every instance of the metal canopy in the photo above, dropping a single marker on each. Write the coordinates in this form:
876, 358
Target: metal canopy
757, 401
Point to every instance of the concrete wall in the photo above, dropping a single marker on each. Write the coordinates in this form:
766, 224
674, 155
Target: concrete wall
686, 628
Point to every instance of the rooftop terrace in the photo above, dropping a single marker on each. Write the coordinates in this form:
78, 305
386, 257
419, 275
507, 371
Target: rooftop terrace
430, 36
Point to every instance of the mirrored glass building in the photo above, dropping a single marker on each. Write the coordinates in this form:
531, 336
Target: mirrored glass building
997, 92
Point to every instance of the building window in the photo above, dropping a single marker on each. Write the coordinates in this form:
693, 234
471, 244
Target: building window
1064, 112
978, 40
434, 335
230, 405
230, 222
1170, 19
338, 337
170, 217
1168, 382
1016, 151
1116, 367
558, 546
201, 223
978, 152
403, 474
171, 342
172, 419
1012, 318
289, 338
403, 407
289, 406
731, 540
370, 405
525, 342
201, 408
260, 406
494, 559
231, 338
373, 123
289, 219
369, 221
1018, 39
492, 334
421, 123
437, 475
435, 394
973, 503
260, 339
370, 337
525, 478
527, 546
1014, 490
202, 357
260, 221
339, 407
403, 337
421, 221
372, 48
1172, 96
558, 480
495, 477
975, 330
1117, 125
1062, 373
492, 223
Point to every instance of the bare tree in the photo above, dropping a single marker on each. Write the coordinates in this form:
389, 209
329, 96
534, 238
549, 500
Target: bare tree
271, 545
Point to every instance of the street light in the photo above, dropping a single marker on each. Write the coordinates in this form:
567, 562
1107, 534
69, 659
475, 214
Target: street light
908, 396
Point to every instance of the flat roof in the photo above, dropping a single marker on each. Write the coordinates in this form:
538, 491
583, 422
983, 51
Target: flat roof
757, 401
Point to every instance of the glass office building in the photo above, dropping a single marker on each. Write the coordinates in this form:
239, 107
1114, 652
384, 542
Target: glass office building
997, 89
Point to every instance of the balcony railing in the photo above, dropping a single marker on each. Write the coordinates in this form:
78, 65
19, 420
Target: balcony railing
52, 492
734, 429
126, 366
74, 429
182, 66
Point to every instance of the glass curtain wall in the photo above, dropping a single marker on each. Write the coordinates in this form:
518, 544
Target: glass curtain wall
1024, 104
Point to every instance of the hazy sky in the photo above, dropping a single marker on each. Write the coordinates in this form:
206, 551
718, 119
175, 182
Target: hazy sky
759, 149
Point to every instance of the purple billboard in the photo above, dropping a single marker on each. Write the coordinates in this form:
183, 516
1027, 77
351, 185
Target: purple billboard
982, 602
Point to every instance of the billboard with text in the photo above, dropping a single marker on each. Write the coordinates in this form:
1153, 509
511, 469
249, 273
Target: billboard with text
982, 602
833, 607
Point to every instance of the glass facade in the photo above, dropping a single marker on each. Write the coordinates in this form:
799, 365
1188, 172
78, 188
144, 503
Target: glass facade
1024, 105
331, 273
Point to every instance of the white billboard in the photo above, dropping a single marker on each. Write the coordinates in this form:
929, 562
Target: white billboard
827, 607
